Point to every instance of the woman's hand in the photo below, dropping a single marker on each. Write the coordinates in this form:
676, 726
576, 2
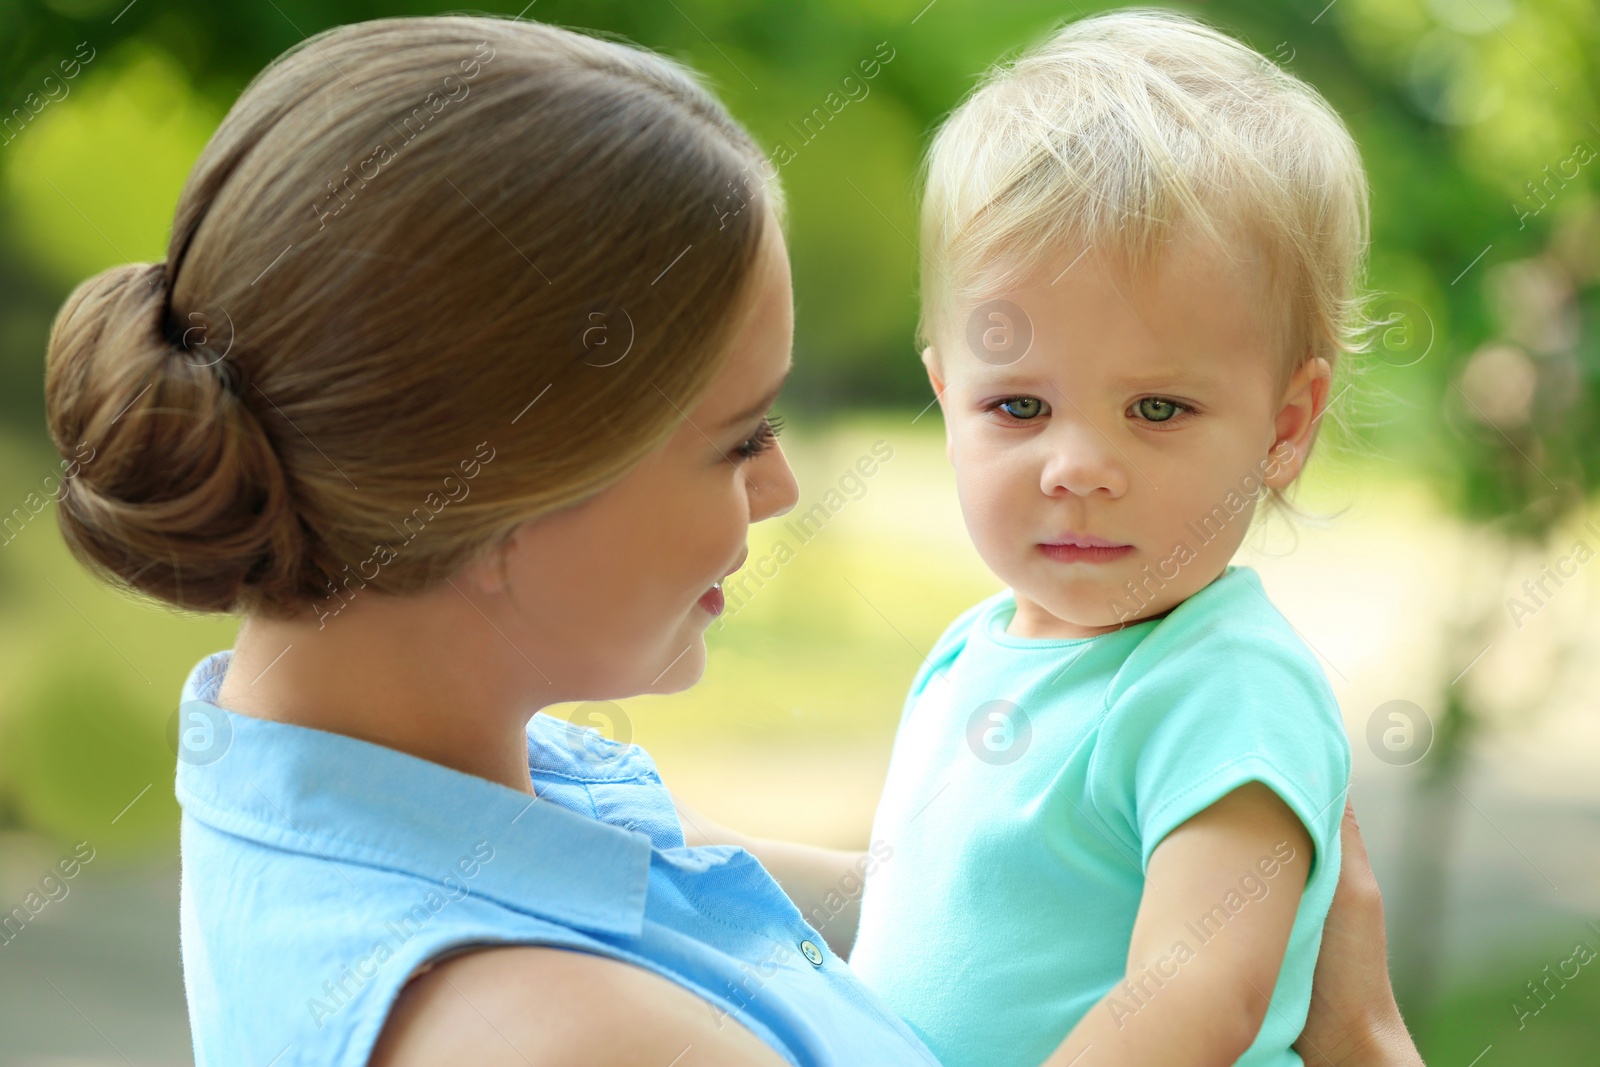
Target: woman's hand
1354, 1020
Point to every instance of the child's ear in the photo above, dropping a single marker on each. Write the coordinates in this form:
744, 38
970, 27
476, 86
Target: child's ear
1295, 428
930, 362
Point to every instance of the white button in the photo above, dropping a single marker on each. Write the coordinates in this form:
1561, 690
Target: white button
813, 953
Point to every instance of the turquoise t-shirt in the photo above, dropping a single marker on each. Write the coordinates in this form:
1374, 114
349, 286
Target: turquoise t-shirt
1030, 781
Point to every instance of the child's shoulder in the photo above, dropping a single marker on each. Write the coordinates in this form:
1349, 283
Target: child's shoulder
1226, 654
1221, 691
1227, 627
954, 638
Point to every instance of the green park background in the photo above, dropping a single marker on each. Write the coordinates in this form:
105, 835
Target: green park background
1460, 467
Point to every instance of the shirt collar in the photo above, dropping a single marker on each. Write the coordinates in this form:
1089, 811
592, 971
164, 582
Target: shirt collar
352, 801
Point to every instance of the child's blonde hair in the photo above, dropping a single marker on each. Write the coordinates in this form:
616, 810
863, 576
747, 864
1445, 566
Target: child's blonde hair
1119, 128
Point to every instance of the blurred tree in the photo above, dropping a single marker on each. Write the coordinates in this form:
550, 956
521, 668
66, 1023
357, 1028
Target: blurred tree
1492, 216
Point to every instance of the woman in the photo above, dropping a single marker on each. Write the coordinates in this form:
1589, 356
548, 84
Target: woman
454, 385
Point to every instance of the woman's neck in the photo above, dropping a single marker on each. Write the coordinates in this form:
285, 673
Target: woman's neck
411, 674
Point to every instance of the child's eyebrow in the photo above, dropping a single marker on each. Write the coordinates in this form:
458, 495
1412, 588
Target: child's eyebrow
1177, 377
1171, 378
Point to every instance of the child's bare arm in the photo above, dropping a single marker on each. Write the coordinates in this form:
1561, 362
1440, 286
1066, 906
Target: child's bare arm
1189, 1002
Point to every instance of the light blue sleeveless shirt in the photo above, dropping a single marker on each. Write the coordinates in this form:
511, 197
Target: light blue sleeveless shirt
320, 872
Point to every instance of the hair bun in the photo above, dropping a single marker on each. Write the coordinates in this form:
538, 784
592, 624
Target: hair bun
172, 487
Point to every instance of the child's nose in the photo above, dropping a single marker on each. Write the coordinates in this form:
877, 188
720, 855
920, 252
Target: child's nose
1080, 459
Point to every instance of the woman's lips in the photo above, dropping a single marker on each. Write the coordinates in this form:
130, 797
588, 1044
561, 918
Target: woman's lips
712, 600
1069, 552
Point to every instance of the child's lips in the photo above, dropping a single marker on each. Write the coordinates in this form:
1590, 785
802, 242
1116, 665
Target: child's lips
1083, 540
1085, 550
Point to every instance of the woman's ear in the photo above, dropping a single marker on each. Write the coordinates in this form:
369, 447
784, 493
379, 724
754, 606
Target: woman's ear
489, 573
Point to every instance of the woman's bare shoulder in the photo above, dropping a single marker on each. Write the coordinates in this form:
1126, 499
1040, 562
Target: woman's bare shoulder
548, 1007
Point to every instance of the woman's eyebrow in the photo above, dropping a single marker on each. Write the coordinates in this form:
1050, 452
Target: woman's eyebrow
760, 406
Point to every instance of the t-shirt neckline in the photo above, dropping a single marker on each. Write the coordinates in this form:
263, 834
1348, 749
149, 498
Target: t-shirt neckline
994, 622
999, 616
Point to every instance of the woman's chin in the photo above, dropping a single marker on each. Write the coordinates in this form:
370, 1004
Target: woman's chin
685, 669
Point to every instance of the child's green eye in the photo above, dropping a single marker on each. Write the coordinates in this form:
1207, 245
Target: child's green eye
1022, 407
1155, 409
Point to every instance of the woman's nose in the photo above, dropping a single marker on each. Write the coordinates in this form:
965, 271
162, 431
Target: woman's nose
772, 485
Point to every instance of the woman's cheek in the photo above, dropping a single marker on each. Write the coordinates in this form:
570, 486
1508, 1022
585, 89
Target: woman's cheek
733, 523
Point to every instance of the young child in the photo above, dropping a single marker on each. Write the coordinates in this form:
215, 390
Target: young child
1114, 798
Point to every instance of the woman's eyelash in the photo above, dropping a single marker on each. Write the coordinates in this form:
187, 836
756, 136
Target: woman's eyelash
763, 438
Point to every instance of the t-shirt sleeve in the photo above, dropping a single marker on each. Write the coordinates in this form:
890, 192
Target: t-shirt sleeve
1189, 722
945, 649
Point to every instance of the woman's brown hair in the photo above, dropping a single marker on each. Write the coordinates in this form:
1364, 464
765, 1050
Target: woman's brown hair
431, 278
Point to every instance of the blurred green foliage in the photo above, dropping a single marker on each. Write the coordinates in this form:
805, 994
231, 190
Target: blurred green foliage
76, 214
1503, 1015
88, 681
1457, 104
86, 759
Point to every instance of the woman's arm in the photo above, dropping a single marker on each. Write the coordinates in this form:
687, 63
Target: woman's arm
1354, 1020
824, 883
547, 1007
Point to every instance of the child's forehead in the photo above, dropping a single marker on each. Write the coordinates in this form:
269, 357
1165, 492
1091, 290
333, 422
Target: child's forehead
1199, 333
1184, 254
1194, 300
